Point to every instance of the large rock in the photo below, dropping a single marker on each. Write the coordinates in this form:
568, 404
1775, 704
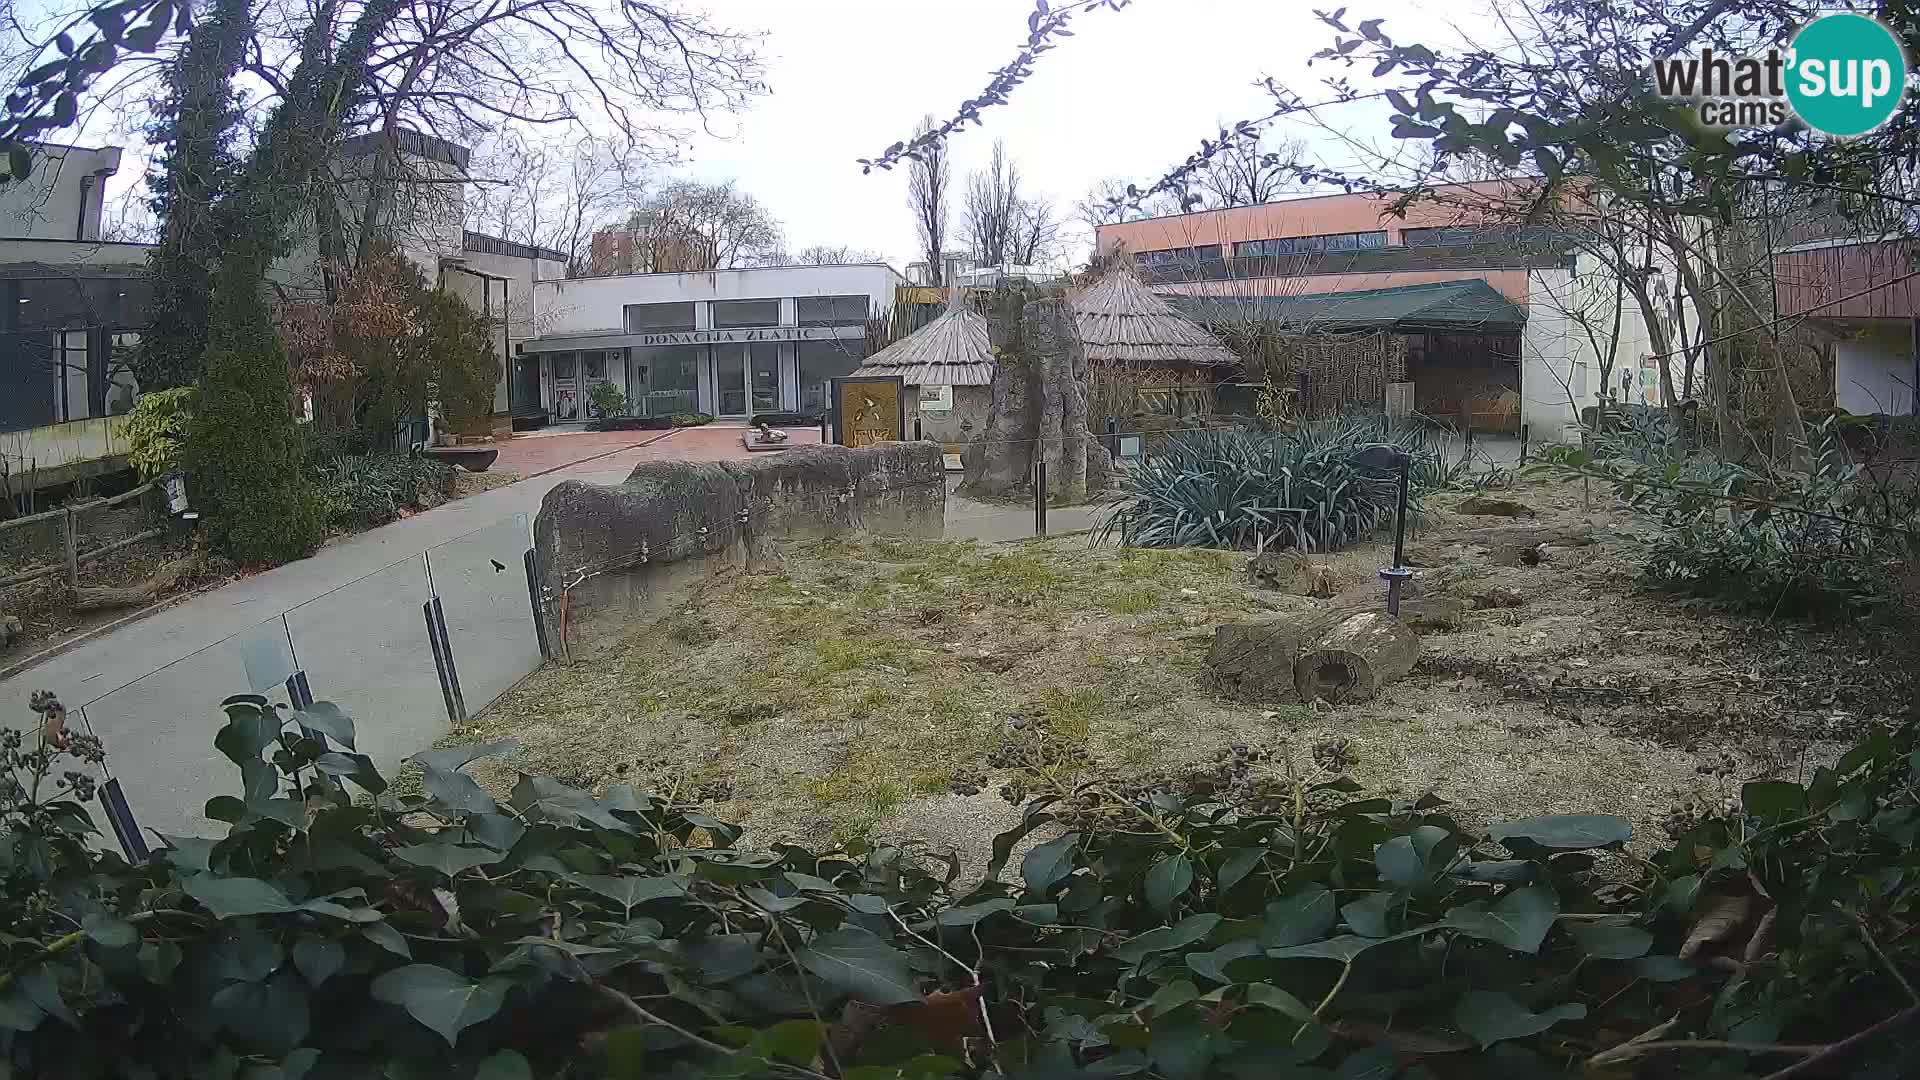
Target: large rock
606, 557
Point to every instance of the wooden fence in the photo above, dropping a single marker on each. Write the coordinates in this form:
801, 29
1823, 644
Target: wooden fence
67, 518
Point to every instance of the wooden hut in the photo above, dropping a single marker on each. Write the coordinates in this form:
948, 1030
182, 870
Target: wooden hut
947, 367
1149, 365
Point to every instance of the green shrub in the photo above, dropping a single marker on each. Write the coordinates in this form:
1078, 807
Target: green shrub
1819, 541
337, 929
607, 399
157, 430
463, 370
244, 452
362, 491
693, 419
1293, 489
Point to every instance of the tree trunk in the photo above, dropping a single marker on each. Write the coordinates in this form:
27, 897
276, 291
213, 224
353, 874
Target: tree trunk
165, 580
1353, 660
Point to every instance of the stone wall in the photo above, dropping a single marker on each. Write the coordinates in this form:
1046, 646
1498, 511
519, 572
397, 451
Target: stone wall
606, 557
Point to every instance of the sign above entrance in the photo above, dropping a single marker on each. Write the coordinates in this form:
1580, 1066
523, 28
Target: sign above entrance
768, 333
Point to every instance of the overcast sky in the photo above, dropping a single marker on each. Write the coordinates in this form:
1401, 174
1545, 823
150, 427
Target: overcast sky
1129, 95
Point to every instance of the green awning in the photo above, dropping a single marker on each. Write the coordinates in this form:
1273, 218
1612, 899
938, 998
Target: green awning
1447, 305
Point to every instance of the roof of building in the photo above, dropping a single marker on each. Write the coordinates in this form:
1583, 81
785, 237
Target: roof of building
1466, 304
952, 350
1122, 322
494, 245
409, 141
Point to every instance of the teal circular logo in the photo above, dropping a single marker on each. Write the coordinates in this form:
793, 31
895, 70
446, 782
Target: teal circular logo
1847, 74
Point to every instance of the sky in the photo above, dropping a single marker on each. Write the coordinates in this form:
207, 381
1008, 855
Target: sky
1130, 95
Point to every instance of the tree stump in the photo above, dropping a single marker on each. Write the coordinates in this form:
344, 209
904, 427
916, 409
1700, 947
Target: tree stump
1354, 658
1253, 662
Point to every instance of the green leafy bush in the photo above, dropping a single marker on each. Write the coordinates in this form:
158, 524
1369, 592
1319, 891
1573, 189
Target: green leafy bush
362, 491
1819, 540
607, 399
340, 929
1291, 489
693, 419
244, 452
157, 430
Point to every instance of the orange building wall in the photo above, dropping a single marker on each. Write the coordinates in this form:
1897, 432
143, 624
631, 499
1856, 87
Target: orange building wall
1308, 216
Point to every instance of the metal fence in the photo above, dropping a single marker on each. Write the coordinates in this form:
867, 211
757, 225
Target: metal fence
409, 651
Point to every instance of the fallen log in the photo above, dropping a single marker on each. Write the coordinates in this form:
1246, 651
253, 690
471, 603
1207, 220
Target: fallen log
1530, 536
1354, 658
166, 579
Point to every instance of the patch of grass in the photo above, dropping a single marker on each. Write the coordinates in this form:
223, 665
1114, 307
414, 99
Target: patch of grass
1130, 601
838, 654
873, 702
1071, 713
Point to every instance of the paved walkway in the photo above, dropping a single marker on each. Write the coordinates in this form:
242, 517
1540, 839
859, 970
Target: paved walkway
352, 615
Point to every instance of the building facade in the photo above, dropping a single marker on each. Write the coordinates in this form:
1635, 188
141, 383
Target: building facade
728, 343
1494, 319
1860, 298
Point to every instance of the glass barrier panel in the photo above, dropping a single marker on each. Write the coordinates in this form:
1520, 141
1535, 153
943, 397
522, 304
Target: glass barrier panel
481, 579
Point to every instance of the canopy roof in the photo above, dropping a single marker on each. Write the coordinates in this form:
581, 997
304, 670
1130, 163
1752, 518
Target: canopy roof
1469, 304
951, 350
1122, 323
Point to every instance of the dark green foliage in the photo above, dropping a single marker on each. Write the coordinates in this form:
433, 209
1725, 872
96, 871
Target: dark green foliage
693, 419
1818, 541
608, 399
339, 929
458, 344
361, 491
244, 452
1293, 489
193, 127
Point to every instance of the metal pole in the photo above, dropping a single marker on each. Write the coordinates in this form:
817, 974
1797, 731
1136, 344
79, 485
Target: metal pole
1397, 574
916, 428
1040, 496
1113, 435
1523, 444
826, 437
533, 599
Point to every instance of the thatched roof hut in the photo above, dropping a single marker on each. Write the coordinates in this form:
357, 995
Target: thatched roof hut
951, 350
1123, 324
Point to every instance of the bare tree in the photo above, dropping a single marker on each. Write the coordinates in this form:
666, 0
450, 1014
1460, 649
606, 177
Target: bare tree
928, 179
1037, 229
827, 255
556, 194
1244, 174
729, 225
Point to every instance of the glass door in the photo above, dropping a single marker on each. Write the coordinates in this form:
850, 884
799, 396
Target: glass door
765, 371
730, 378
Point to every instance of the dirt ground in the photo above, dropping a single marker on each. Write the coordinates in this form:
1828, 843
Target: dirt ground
919, 691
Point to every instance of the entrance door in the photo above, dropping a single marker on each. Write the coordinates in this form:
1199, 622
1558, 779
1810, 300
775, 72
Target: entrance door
764, 371
566, 387
730, 379
594, 370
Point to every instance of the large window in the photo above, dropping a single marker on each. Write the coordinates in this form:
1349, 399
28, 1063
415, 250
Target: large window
1500, 236
659, 318
735, 314
1310, 245
1177, 256
832, 310
664, 381
820, 361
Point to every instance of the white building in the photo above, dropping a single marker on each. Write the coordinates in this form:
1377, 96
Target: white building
730, 343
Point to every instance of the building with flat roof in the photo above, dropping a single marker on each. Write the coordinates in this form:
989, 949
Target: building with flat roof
729, 343
1486, 314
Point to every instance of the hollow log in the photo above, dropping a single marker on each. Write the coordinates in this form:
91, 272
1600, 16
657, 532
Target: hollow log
1530, 536
167, 578
1354, 658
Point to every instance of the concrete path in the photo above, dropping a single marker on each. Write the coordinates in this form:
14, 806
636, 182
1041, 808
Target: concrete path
351, 617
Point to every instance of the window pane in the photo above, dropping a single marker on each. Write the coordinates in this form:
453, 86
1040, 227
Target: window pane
1372, 239
659, 318
664, 381
763, 368
728, 314
730, 378
820, 362
832, 310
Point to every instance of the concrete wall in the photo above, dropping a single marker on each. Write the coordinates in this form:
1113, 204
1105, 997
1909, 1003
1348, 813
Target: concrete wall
1570, 327
608, 557
61, 198
65, 452
587, 305
1873, 373
958, 426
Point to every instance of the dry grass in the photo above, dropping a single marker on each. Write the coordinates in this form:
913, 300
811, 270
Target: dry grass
896, 688
469, 483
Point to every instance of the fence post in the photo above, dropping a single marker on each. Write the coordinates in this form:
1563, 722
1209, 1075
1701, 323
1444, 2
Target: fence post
443, 661
1040, 495
70, 535
533, 599
916, 428
1523, 444
1113, 437
114, 801
826, 421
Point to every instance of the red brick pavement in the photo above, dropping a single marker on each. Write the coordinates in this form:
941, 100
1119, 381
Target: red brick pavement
532, 455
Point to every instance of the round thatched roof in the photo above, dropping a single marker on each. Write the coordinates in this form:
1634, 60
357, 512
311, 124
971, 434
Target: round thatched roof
1123, 323
951, 350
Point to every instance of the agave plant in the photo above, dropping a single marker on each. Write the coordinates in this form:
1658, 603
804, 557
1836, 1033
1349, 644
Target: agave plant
1300, 489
